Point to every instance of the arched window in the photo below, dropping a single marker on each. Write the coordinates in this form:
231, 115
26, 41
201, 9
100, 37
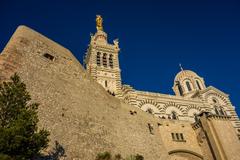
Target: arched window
216, 110
221, 111
174, 115
106, 84
111, 60
177, 135
173, 136
195, 117
98, 58
104, 60
188, 86
179, 88
198, 84
181, 137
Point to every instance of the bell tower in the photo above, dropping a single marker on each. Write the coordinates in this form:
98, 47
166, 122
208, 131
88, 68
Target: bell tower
102, 60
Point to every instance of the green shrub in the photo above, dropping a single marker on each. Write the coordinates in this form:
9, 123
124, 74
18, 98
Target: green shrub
135, 157
108, 156
104, 156
118, 157
139, 157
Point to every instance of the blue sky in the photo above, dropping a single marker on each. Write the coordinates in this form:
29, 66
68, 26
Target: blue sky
155, 36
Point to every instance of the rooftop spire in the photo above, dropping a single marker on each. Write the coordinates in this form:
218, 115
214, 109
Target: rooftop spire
99, 23
180, 65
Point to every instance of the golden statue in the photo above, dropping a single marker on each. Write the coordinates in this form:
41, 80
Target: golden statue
99, 23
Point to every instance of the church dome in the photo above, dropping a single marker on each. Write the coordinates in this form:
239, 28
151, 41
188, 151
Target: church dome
185, 74
187, 83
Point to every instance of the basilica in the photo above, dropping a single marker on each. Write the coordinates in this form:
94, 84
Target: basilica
88, 110
192, 101
191, 97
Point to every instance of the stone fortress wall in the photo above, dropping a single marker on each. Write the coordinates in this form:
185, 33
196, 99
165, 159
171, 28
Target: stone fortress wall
80, 115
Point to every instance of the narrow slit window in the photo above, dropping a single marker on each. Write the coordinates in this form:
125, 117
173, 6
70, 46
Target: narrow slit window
177, 135
106, 84
49, 56
111, 60
188, 86
179, 88
198, 84
98, 58
221, 112
174, 115
104, 60
150, 127
173, 136
216, 110
181, 136
195, 117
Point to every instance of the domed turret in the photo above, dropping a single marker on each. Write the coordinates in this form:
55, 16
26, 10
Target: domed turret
187, 82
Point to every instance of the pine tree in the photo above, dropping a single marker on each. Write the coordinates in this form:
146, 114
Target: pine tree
20, 137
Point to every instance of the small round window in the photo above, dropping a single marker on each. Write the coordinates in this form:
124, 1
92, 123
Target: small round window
214, 100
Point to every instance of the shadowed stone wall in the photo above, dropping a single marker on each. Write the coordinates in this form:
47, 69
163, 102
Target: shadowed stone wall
80, 115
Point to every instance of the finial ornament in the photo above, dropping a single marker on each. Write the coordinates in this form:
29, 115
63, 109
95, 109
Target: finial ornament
115, 42
99, 23
180, 65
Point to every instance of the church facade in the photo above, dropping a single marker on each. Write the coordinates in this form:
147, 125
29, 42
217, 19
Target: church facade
194, 102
